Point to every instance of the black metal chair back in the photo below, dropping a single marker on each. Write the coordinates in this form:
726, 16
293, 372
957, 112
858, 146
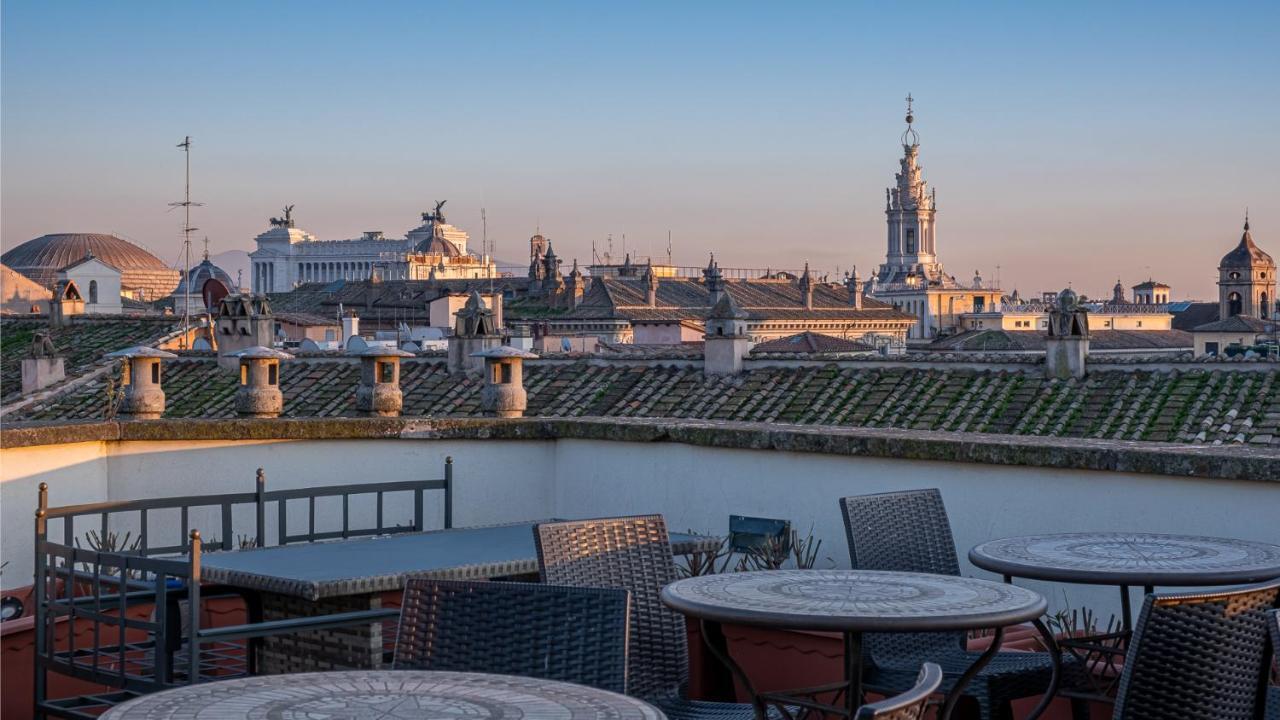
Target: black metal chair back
907, 532
910, 705
570, 634
1199, 656
632, 553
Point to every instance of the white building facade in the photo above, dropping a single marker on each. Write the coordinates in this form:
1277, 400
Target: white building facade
99, 283
287, 256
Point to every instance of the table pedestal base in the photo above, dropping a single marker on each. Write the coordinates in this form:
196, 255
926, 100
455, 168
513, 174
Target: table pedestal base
355, 647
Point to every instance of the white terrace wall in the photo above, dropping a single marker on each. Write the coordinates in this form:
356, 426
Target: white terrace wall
699, 487
695, 487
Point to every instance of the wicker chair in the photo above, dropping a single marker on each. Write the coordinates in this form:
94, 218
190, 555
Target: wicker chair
1273, 692
909, 531
1199, 656
634, 553
571, 634
910, 705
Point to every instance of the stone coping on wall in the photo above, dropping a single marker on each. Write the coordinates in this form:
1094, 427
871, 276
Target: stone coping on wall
1178, 460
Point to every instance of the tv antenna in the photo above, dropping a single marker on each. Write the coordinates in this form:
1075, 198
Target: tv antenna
186, 205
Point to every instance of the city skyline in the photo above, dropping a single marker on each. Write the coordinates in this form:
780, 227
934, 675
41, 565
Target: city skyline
763, 136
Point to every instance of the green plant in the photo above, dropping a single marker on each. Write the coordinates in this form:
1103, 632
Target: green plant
111, 542
706, 562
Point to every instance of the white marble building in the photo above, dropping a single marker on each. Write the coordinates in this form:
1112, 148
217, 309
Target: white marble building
288, 256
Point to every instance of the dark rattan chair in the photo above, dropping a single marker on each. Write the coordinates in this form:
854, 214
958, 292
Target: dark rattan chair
909, 531
1199, 656
572, 634
910, 705
1273, 692
634, 553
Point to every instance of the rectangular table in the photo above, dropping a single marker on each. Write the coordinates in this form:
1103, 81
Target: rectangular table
321, 578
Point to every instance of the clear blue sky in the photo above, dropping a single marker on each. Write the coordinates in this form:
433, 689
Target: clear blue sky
1069, 142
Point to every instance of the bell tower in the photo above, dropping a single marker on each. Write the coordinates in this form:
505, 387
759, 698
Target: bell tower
1246, 280
909, 210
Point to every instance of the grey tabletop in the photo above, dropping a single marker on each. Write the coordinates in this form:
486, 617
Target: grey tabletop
1115, 558
367, 565
384, 695
853, 600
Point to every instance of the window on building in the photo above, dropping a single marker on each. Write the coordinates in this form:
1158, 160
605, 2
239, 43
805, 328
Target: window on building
1139, 323
155, 373
911, 240
1234, 304
93, 291
1211, 348
1234, 275
329, 335
386, 372
979, 303
506, 373
1262, 306
273, 374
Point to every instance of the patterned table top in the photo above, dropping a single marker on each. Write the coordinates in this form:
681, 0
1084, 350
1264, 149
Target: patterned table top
368, 565
384, 695
853, 600
1111, 558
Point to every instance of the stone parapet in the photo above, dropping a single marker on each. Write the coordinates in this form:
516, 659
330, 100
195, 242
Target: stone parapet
1196, 461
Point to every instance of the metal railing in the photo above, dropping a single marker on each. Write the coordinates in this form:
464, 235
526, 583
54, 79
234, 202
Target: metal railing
113, 614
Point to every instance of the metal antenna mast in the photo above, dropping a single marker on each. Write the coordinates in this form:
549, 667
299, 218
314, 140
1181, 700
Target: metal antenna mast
186, 205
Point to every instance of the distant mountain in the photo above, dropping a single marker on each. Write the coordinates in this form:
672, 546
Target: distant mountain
234, 261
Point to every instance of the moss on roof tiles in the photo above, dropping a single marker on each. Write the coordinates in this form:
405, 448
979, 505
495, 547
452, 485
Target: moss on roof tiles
1193, 405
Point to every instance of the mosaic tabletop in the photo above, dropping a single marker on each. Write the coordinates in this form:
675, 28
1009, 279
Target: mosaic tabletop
385, 695
1112, 558
853, 600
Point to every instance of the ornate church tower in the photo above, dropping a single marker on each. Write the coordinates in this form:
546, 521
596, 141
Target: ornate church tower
910, 208
1246, 280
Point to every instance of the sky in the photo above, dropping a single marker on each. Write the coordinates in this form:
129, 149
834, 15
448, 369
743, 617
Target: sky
1069, 143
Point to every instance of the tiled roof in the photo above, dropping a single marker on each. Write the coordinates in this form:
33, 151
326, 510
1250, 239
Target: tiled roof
1237, 323
82, 344
1194, 315
1034, 340
810, 342
684, 299
1198, 404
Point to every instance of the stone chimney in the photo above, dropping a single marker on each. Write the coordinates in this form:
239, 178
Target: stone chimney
259, 392
503, 394
379, 390
143, 394
44, 366
651, 285
350, 326
856, 289
726, 342
574, 287
1067, 342
714, 281
806, 288
244, 321
474, 331
67, 302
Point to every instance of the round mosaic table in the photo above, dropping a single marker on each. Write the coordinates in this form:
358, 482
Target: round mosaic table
1148, 559
384, 695
851, 602
1124, 560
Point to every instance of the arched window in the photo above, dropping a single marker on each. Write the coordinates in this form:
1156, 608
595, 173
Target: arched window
93, 291
1234, 305
1262, 306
